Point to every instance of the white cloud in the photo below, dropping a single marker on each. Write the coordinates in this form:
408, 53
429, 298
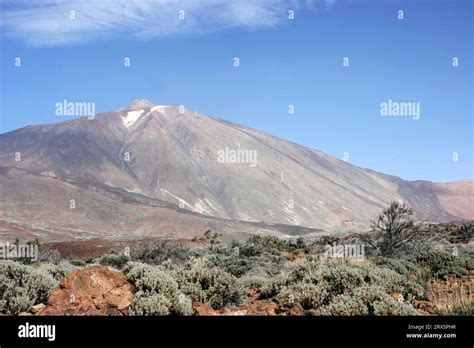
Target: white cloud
48, 22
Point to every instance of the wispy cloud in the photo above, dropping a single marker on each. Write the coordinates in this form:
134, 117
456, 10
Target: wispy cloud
51, 22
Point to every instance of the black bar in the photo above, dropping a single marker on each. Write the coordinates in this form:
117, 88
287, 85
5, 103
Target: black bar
288, 331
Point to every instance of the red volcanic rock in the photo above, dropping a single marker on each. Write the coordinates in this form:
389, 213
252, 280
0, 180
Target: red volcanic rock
296, 310
261, 307
201, 309
424, 307
95, 290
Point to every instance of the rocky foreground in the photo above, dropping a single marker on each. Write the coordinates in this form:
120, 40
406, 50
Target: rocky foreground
102, 291
428, 271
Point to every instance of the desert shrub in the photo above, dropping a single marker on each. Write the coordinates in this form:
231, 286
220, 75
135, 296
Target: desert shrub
204, 282
233, 264
23, 286
256, 253
153, 303
393, 282
116, 261
269, 245
256, 278
379, 302
388, 306
366, 300
257, 245
57, 271
415, 276
340, 278
275, 285
252, 281
323, 286
49, 255
337, 278
327, 240
403, 267
150, 303
344, 305
157, 292
462, 234
298, 244
442, 264
78, 263
157, 254
306, 294
461, 308
149, 278
238, 265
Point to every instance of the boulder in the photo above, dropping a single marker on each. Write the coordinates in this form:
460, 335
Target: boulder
95, 290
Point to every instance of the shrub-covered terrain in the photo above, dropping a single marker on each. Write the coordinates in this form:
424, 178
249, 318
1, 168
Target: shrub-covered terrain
22, 286
295, 276
289, 273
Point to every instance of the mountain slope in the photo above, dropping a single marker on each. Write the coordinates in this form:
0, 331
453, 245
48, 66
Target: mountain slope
174, 155
35, 206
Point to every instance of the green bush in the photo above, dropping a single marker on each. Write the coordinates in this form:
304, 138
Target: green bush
442, 264
157, 292
462, 234
162, 252
252, 281
379, 302
150, 303
306, 294
403, 267
393, 282
389, 306
204, 282
323, 286
337, 278
465, 309
49, 255
273, 287
241, 258
23, 286
116, 261
366, 300
57, 271
78, 263
256, 278
238, 265
344, 305
341, 278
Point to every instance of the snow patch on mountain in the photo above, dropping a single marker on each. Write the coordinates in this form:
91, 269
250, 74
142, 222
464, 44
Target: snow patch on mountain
132, 117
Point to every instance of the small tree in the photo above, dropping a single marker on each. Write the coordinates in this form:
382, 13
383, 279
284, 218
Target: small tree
212, 238
396, 231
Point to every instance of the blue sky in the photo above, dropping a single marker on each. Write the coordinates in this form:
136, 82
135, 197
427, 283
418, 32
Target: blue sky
282, 62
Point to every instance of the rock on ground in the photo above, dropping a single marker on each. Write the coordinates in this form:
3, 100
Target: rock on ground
95, 290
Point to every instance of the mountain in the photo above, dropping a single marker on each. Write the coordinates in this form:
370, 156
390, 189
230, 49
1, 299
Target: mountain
190, 164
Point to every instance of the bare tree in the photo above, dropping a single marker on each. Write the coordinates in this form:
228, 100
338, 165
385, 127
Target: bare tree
396, 231
212, 238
